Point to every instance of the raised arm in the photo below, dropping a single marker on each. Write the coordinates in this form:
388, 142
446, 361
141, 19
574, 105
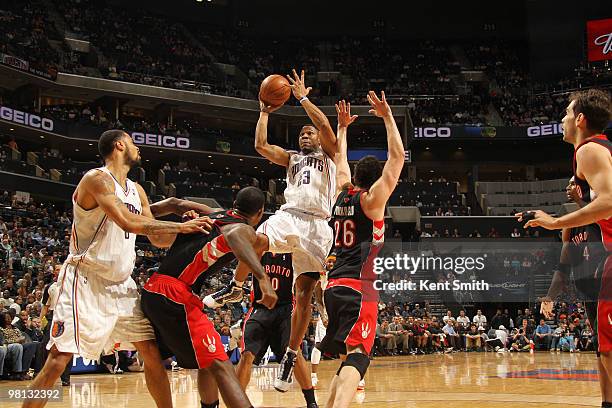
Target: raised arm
179, 207
242, 239
343, 170
275, 154
318, 118
101, 188
375, 200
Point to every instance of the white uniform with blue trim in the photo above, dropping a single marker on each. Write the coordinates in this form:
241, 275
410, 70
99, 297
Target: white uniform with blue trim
98, 304
301, 226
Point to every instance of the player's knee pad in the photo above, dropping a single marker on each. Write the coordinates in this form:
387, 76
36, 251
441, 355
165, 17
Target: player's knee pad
315, 356
360, 361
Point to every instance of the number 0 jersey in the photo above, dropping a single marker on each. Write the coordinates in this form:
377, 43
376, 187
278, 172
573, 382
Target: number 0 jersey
97, 244
357, 238
279, 269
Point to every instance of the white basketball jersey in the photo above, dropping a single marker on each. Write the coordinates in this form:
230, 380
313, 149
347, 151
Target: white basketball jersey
311, 184
97, 244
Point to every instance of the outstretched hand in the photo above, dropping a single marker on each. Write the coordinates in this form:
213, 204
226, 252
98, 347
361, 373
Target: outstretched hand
267, 108
343, 110
298, 87
380, 107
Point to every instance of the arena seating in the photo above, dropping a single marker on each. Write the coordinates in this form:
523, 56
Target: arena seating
502, 198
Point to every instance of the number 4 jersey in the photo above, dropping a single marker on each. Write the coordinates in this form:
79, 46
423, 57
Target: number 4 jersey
357, 238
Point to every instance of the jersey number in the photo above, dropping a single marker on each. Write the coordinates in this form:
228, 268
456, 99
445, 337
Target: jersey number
345, 233
275, 283
305, 178
585, 254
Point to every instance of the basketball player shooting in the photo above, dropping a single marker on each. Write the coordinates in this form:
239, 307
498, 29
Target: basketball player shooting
586, 117
350, 298
98, 303
300, 227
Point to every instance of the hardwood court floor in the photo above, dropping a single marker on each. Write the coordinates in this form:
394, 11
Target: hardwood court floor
545, 380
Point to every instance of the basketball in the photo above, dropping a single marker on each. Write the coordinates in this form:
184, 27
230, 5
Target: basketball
274, 90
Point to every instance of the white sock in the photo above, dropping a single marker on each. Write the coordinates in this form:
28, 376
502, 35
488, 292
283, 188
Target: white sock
239, 284
315, 356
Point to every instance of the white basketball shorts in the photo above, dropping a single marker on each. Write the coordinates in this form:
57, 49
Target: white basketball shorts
308, 238
92, 315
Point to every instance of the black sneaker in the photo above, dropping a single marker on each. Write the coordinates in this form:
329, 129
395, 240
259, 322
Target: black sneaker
228, 294
312, 405
285, 376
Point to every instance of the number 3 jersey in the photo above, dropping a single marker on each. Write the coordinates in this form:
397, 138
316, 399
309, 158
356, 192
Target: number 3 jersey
99, 245
357, 238
311, 184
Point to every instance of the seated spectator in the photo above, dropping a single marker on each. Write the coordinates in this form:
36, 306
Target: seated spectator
387, 339
452, 337
567, 341
519, 340
556, 337
586, 337
473, 340
12, 335
543, 335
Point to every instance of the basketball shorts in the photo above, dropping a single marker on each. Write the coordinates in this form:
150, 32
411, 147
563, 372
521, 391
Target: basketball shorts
352, 320
308, 238
181, 327
92, 316
263, 328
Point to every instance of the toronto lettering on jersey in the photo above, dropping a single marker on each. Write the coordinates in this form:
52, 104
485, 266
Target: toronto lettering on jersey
348, 211
581, 237
307, 161
278, 270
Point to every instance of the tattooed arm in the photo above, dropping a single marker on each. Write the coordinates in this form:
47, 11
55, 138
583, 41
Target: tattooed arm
98, 188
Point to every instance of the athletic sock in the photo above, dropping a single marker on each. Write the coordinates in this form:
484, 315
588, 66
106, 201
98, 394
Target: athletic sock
212, 405
235, 282
309, 396
606, 404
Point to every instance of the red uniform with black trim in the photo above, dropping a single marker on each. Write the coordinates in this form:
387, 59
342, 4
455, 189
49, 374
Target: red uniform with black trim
602, 273
169, 301
350, 298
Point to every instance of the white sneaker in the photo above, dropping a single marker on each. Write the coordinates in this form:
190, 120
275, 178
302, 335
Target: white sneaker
361, 385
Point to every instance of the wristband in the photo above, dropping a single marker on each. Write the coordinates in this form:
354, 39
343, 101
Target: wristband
303, 98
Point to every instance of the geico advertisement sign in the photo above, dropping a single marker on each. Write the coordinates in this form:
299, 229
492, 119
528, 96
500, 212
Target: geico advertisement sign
545, 130
432, 132
27, 119
149, 139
